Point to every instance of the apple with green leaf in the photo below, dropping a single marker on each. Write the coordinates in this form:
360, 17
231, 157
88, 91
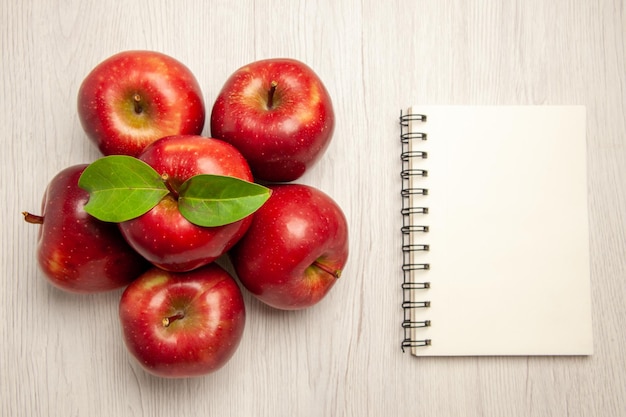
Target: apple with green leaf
278, 113
135, 97
295, 250
76, 252
185, 324
183, 203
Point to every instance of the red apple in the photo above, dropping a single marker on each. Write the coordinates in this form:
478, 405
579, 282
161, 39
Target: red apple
75, 251
133, 98
162, 235
182, 324
295, 249
278, 113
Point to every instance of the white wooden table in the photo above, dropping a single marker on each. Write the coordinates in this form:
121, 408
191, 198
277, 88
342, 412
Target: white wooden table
62, 355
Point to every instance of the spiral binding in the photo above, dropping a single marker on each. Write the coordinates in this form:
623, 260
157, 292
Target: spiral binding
409, 268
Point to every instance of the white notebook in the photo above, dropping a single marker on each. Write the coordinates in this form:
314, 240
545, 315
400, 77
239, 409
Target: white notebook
495, 232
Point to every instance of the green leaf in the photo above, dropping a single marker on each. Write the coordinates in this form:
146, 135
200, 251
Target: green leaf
121, 188
216, 200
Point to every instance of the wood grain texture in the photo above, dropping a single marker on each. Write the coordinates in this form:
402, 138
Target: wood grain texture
63, 355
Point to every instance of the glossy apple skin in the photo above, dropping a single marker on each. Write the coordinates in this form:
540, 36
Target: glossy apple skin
281, 142
162, 235
170, 101
206, 333
76, 252
297, 226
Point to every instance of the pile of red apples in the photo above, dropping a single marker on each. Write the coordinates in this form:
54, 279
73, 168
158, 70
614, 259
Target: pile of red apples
183, 223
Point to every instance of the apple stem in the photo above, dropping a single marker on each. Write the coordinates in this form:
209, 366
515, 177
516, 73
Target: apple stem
169, 320
169, 186
335, 273
137, 101
32, 218
270, 94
